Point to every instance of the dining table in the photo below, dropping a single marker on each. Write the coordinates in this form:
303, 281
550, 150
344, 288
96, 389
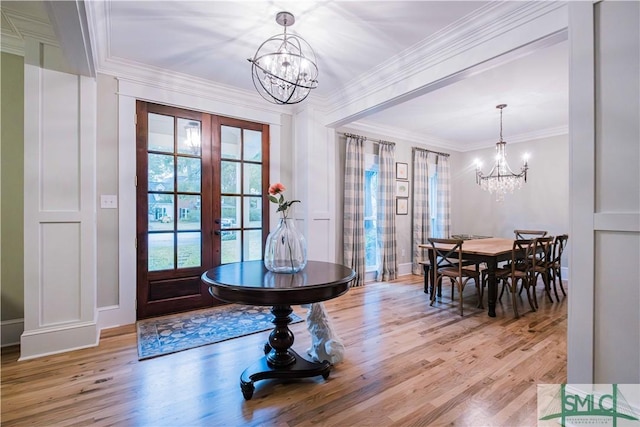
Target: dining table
490, 251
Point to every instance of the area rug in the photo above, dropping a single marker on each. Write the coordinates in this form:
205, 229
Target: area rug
178, 332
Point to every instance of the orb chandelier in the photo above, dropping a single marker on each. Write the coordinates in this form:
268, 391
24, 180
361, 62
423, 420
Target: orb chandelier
501, 179
284, 67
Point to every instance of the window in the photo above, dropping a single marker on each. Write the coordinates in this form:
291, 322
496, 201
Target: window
370, 212
435, 216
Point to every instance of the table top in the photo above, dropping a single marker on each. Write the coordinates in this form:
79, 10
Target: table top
492, 246
252, 284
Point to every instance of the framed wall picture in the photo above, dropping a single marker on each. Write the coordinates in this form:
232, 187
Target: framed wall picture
402, 188
402, 206
402, 171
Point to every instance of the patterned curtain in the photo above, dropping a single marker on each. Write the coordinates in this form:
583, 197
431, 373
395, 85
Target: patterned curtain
386, 224
443, 217
353, 225
420, 208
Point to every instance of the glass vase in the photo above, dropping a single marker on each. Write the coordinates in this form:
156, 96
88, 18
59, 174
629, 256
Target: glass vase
286, 248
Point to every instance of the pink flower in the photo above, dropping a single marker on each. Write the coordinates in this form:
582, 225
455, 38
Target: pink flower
276, 188
283, 205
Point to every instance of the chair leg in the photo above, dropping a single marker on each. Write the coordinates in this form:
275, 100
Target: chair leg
514, 298
545, 281
555, 290
460, 290
504, 283
532, 285
426, 278
480, 290
532, 304
560, 281
437, 285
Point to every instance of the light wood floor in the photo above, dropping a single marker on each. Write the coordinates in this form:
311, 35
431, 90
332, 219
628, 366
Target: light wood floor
406, 363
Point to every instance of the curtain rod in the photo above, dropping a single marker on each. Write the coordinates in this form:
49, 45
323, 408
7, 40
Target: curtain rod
429, 151
368, 139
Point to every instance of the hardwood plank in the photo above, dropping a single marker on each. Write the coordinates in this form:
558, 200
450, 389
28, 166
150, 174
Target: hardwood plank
406, 363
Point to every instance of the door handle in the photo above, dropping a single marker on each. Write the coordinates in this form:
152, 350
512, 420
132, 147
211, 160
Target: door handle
217, 232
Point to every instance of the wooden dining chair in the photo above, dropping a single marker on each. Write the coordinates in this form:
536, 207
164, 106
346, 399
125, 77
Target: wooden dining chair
529, 234
512, 275
540, 263
521, 234
449, 263
555, 271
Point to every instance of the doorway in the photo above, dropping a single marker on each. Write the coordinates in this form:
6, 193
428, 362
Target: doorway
200, 181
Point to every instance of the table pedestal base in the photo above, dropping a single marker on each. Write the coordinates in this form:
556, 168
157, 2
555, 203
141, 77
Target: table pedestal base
263, 369
280, 361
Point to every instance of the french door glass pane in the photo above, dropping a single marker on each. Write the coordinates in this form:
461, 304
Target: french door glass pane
230, 212
231, 247
189, 252
161, 254
189, 212
160, 135
252, 245
189, 174
252, 179
161, 172
189, 137
160, 211
230, 177
252, 145
231, 142
252, 212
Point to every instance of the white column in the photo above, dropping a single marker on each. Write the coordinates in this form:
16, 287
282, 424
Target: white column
314, 176
604, 292
59, 209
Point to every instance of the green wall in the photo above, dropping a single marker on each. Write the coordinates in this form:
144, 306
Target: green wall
12, 184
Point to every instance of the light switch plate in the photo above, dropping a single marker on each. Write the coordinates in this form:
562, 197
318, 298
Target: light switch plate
108, 201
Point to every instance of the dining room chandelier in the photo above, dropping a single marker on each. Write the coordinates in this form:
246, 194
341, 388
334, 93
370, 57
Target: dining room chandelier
284, 67
501, 179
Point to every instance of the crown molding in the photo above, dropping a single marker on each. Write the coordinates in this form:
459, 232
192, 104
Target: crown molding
392, 133
188, 85
523, 137
448, 145
12, 45
480, 26
20, 26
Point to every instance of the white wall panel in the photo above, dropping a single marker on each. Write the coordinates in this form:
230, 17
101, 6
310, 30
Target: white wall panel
59, 177
618, 100
617, 298
59, 209
60, 273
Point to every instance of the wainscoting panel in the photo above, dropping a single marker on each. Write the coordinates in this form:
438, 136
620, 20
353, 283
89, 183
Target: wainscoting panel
60, 286
60, 171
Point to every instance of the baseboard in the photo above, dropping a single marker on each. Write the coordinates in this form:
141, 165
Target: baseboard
11, 331
405, 269
114, 316
59, 339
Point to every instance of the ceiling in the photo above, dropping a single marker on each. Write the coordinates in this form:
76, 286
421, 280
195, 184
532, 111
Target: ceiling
353, 40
